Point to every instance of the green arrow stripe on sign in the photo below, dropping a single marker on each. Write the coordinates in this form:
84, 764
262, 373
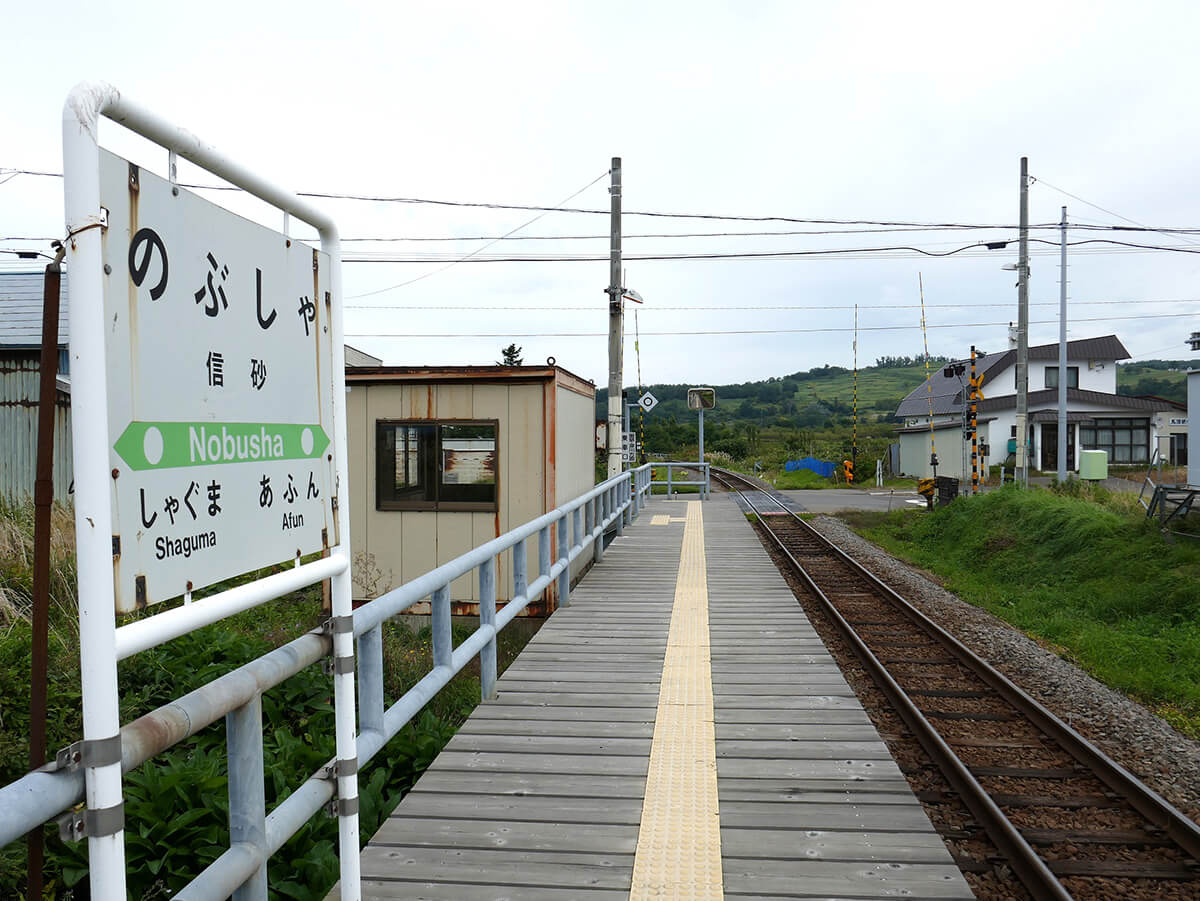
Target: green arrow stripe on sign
166, 445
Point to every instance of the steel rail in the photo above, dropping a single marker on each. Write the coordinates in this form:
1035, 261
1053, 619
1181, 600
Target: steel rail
1143, 799
1025, 861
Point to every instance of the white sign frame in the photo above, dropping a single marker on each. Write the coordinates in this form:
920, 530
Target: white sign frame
647, 402
220, 401
102, 644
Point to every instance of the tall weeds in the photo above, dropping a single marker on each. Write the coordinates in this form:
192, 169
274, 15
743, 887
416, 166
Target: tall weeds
16, 570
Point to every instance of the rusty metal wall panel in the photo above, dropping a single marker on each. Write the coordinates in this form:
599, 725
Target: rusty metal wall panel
19, 381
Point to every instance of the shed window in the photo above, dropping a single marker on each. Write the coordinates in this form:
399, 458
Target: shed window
427, 465
1125, 440
1052, 376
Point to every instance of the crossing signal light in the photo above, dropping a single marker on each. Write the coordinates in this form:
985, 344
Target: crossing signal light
848, 470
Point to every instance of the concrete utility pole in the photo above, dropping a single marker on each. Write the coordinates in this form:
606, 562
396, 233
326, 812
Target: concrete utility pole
1021, 473
616, 397
1062, 355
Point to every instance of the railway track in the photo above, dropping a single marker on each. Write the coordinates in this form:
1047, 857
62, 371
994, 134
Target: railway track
1055, 811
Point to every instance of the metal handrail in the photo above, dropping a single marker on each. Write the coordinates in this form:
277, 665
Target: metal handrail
44, 794
671, 465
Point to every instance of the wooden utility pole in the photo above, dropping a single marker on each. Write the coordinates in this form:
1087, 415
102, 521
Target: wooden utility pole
1022, 462
1062, 356
616, 399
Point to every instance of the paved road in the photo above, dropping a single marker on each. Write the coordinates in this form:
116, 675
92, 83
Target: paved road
836, 499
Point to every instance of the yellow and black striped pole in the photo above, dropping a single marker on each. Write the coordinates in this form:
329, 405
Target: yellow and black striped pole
854, 433
933, 460
974, 426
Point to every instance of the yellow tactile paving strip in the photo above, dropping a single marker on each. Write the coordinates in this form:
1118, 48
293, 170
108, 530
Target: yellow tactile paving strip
679, 842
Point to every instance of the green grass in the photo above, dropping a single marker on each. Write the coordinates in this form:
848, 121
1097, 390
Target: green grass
176, 807
1087, 574
802, 478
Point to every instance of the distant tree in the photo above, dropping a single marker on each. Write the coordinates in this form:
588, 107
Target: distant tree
512, 356
751, 432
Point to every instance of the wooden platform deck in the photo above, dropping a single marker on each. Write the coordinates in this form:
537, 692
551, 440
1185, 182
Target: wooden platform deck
543, 793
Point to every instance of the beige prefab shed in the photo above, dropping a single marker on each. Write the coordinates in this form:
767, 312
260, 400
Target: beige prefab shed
445, 459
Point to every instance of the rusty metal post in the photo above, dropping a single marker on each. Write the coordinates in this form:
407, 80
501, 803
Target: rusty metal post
43, 502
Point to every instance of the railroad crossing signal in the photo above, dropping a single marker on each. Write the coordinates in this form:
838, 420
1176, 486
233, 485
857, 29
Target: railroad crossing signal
975, 384
848, 470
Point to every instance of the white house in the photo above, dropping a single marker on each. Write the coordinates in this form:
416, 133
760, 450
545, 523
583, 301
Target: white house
1128, 428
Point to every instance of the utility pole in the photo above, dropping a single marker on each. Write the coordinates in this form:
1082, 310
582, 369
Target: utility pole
1062, 355
1021, 473
616, 394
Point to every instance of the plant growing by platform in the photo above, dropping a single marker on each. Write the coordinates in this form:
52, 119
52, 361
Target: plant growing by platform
176, 805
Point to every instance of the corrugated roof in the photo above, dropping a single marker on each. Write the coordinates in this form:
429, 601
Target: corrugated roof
444, 374
356, 357
947, 391
21, 309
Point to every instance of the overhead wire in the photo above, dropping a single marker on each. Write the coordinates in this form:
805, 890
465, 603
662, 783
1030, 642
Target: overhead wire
770, 331
772, 307
468, 257
1176, 232
561, 208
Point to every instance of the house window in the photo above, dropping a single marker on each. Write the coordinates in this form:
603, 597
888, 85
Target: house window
425, 465
1125, 440
1052, 376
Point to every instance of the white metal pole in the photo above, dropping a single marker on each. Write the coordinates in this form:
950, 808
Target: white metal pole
1062, 355
93, 514
342, 595
701, 434
81, 114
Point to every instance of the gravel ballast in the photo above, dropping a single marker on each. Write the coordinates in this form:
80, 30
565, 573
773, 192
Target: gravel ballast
1142, 742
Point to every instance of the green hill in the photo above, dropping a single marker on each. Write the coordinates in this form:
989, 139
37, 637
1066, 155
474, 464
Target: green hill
811, 412
1164, 378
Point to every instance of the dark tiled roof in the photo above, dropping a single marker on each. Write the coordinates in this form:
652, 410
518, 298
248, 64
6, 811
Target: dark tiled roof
21, 309
938, 426
947, 391
1108, 347
1052, 416
1075, 395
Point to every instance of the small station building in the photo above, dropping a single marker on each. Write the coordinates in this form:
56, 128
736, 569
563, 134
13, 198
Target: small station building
444, 459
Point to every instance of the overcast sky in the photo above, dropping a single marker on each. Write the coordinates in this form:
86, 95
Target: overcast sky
868, 111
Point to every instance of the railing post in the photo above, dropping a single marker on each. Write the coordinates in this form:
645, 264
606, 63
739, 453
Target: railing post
669, 492
577, 526
544, 551
487, 617
634, 499
707, 479
442, 643
247, 799
519, 569
596, 508
564, 557
616, 493
370, 680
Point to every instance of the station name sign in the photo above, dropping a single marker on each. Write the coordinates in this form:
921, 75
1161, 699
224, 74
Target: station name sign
220, 385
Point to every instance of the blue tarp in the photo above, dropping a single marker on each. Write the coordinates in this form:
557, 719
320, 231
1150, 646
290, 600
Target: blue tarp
820, 467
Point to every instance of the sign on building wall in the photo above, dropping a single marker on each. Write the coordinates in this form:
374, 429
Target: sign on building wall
220, 375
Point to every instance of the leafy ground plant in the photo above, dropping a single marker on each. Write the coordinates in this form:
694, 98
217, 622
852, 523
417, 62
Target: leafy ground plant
177, 804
